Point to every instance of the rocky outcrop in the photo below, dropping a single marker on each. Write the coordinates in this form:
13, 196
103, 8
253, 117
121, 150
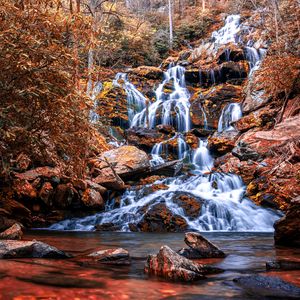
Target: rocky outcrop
287, 228
118, 256
14, 232
92, 199
199, 247
222, 143
267, 286
169, 265
159, 218
29, 249
283, 265
147, 72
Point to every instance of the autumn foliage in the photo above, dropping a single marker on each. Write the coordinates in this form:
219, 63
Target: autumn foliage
43, 112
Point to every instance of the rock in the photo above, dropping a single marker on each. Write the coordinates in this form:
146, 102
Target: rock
166, 129
222, 143
201, 132
23, 162
189, 203
170, 169
92, 199
107, 227
148, 72
160, 219
46, 193
283, 265
44, 172
169, 265
15, 232
14, 209
265, 286
118, 256
24, 189
29, 249
145, 138
243, 152
64, 196
80, 184
126, 161
234, 54
287, 231
199, 247
97, 187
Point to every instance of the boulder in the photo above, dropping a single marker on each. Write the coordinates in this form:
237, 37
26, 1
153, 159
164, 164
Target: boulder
159, 218
44, 172
92, 199
29, 249
15, 232
243, 152
120, 164
46, 193
24, 189
117, 256
267, 286
222, 143
169, 265
199, 247
97, 187
65, 195
189, 203
283, 265
287, 231
148, 72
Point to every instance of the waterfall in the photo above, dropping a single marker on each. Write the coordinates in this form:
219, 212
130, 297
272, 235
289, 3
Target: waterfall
202, 158
93, 93
230, 113
172, 97
221, 197
136, 101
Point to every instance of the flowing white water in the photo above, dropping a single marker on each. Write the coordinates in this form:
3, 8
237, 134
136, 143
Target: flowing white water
93, 93
230, 113
136, 101
221, 196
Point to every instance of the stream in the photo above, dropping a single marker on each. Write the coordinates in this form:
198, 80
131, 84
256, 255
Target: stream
67, 279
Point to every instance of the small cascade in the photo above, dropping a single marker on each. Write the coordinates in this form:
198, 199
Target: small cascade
156, 153
182, 147
93, 93
136, 101
172, 103
254, 58
223, 206
230, 113
229, 32
202, 158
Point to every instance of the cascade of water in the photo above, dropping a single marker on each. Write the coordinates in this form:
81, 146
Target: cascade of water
202, 158
222, 206
166, 104
93, 93
156, 155
229, 32
182, 147
230, 113
136, 101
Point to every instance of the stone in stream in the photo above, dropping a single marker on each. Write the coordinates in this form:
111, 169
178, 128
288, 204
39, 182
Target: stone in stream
199, 247
283, 265
265, 286
118, 256
14, 232
29, 249
170, 265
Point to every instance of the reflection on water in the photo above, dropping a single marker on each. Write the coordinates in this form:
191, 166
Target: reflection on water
67, 279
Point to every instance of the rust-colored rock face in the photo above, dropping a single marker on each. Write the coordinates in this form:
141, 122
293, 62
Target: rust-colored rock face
287, 231
222, 143
169, 265
92, 199
190, 205
160, 219
15, 232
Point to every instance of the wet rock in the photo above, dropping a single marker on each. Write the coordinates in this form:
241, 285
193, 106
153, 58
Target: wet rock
24, 189
231, 54
190, 204
92, 199
118, 256
65, 195
222, 143
46, 193
264, 286
201, 132
287, 231
28, 249
283, 265
243, 152
166, 129
169, 265
161, 219
107, 227
199, 247
97, 187
145, 138
15, 232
